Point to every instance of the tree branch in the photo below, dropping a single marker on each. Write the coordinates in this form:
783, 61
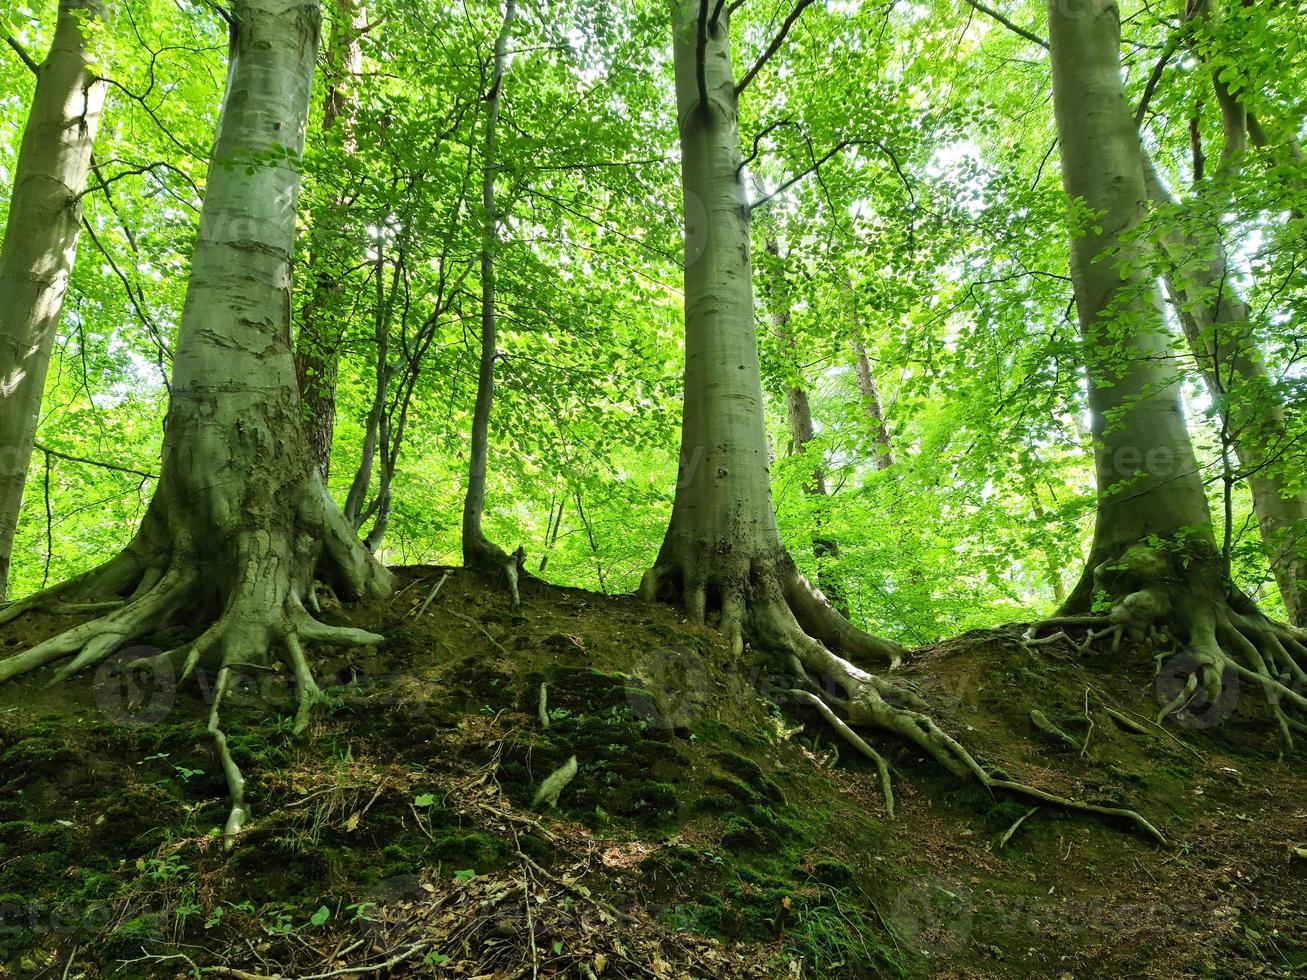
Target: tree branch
95, 462
991, 12
772, 48
818, 163
716, 14
701, 56
22, 54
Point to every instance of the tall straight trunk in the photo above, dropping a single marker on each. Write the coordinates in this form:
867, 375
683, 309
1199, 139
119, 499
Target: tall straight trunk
867, 387
40, 243
722, 553
317, 348
872, 405
1148, 478
1154, 561
478, 551
240, 524
802, 432
1218, 327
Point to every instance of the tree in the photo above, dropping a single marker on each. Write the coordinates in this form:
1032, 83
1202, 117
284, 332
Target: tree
722, 552
240, 524
478, 550
40, 243
1154, 564
316, 354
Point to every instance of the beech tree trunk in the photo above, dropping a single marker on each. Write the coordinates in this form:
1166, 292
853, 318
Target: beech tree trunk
241, 522
1148, 478
802, 432
478, 551
1218, 326
867, 387
40, 243
1154, 564
317, 348
873, 406
722, 552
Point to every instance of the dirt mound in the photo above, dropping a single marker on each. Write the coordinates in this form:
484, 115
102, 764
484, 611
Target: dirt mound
706, 832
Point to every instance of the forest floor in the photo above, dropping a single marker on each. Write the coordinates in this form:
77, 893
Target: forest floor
707, 833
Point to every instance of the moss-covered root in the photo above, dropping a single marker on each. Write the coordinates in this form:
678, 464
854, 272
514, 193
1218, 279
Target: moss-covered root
256, 615
740, 588
1204, 631
765, 601
871, 702
482, 555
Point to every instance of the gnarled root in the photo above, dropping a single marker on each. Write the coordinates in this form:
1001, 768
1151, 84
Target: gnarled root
483, 555
731, 589
250, 588
1203, 633
782, 615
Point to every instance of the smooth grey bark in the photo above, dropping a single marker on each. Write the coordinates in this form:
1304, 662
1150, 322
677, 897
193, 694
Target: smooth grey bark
478, 551
40, 243
872, 404
722, 552
1154, 558
241, 523
722, 547
1218, 327
867, 386
825, 549
1147, 473
317, 348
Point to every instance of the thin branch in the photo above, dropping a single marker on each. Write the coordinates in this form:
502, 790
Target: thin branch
26, 58
95, 462
701, 56
757, 140
716, 14
1016, 29
772, 48
818, 163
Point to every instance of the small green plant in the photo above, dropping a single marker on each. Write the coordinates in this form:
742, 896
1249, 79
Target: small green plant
832, 938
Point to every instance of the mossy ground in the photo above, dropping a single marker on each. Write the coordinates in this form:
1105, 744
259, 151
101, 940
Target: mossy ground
725, 835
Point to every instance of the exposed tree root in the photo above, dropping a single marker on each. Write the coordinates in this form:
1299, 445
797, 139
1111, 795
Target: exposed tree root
1202, 631
730, 591
250, 588
483, 555
780, 614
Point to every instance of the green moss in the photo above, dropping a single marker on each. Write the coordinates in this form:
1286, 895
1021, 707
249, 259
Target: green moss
469, 849
831, 872
131, 939
647, 801
733, 787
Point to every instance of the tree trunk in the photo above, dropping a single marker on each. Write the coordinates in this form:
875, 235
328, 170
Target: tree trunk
1218, 326
478, 551
722, 552
317, 348
1148, 478
241, 522
867, 386
40, 243
873, 406
1154, 561
824, 548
